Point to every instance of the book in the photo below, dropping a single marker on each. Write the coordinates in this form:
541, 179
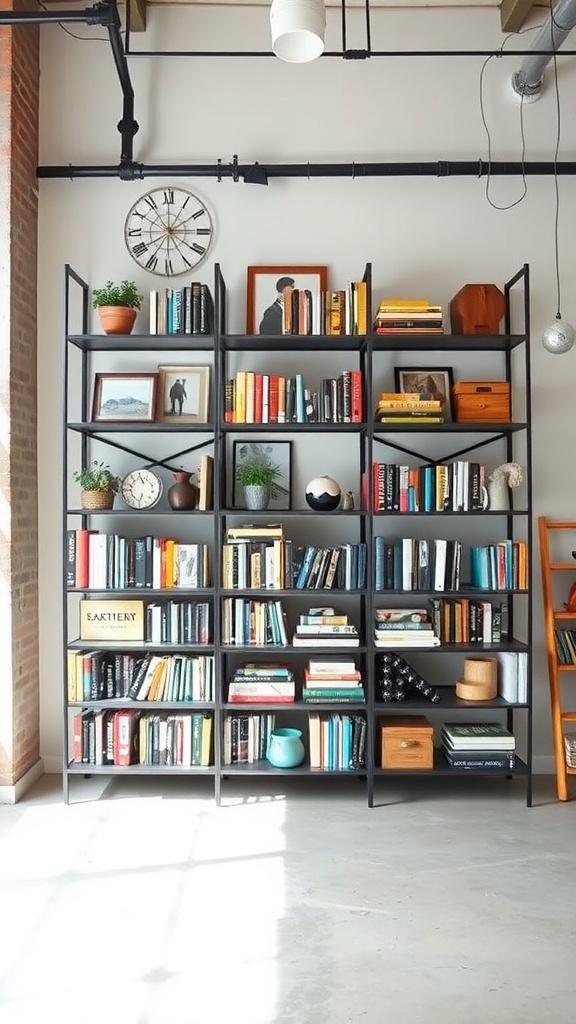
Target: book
112, 620
384, 616
206, 481
325, 641
503, 759
478, 735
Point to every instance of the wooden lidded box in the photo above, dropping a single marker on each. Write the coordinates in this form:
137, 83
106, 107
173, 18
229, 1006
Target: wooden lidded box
477, 400
406, 741
477, 309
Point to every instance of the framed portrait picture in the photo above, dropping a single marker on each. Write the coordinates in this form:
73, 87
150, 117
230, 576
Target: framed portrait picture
125, 396
269, 289
432, 381
183, 394
274, 453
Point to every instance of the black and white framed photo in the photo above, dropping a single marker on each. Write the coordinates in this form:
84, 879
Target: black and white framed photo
273, 453
269, 288
183, 394
430, 381
124, 396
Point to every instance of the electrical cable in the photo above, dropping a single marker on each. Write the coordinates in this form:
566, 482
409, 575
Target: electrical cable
83, 39
487, 130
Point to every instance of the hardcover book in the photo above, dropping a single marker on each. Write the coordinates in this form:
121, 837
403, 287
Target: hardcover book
112, 620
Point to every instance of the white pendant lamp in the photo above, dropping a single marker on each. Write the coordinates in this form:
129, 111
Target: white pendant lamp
298, 28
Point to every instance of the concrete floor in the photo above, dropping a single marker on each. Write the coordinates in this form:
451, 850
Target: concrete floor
143, 903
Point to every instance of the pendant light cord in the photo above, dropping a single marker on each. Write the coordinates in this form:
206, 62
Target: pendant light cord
556, 152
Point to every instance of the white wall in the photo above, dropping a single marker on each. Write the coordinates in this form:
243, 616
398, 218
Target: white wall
424, 235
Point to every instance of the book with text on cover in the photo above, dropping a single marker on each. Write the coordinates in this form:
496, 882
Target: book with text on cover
112, 620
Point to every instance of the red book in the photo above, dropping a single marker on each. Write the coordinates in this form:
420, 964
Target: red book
273, 398
258, 380
77, 738
123, 730
356, 396
82, 557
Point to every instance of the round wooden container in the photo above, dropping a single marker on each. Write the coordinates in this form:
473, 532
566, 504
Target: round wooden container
480, 679
475, 691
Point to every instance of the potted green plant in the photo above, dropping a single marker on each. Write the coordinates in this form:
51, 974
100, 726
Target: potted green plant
99, 485
117, 305
257, 475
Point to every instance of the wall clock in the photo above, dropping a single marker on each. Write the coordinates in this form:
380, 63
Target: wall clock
168, 231
141, 489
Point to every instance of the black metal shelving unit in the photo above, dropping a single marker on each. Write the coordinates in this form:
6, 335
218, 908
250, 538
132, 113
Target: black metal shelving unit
465, 437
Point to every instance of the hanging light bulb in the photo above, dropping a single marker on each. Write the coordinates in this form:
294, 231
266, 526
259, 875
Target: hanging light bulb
558, 338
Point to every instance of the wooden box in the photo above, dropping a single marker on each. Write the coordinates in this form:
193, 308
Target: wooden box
481, 400
477, 309
406, 742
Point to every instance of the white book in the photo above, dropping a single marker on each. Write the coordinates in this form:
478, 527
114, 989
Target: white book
265, 396
157, 563
153, 324
508, 676
440, 548
97, 559
522, 696
186, 565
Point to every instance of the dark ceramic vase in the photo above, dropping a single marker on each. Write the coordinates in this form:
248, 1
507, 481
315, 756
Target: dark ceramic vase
183, 495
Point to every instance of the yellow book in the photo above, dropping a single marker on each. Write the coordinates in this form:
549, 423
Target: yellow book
406, 304
360, 308
240, 392
206, 741
206, 482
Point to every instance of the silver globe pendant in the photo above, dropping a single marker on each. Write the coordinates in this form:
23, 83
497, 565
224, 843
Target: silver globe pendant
558, 338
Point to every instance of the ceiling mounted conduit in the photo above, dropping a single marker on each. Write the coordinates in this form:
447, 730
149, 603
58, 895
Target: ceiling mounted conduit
105, 14
528, 81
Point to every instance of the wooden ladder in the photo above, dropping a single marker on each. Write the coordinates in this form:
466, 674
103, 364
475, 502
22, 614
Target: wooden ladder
553, 618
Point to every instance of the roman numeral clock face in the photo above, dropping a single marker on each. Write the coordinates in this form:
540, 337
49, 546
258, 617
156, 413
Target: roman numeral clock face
168, 231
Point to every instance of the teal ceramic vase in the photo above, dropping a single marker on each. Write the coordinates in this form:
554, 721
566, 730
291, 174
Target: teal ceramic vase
285, 748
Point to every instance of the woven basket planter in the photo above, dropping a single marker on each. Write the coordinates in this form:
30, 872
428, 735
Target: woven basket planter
97, 499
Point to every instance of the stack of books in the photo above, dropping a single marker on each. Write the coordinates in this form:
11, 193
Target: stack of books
408, 407
333, 681
408, 316
483, 746
404, 627
261, 683
322, 627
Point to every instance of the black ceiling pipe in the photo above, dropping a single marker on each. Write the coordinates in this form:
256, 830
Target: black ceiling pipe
236, 171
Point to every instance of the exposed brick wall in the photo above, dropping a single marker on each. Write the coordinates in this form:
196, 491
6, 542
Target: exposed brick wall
19, 85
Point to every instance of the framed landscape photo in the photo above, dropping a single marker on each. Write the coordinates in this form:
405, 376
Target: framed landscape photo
276, 453
431, 381
125, 396
267, 289
183, 394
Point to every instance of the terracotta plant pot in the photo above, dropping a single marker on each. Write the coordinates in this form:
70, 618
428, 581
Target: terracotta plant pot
117, 319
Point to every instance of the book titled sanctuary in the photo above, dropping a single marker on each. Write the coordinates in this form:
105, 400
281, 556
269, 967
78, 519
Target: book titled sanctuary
112, 620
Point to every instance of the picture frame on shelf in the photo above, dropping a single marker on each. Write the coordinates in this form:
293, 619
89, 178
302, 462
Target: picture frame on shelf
126, 396
432, 381
277, 453
183, 394
266, 289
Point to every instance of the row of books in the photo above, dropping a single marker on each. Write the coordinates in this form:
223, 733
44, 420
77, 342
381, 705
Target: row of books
413, 316
465, 620
246, 622
252, 397
245, 738
452, 487
565, 646
481, 745
501, 566
409, 563
343, 311
187, 310
130, 737
337, 742
107, 675
108, 561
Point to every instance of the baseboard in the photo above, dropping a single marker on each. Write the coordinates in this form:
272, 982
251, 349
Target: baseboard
12, 794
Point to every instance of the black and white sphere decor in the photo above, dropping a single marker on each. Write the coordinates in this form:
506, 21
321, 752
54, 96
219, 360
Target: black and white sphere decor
323, 494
